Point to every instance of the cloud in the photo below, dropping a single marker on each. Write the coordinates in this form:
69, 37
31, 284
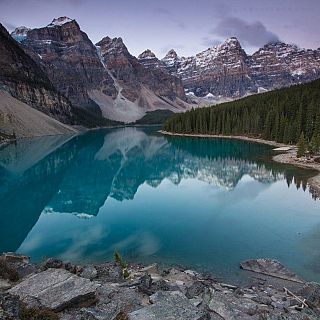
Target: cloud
165, 12
252, 34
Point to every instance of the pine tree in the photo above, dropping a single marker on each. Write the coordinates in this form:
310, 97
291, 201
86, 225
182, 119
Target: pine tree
301, 146
281, 115
314, 145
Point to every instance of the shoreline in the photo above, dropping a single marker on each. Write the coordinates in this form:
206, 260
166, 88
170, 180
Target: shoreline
117, 290
221, 136
284, 157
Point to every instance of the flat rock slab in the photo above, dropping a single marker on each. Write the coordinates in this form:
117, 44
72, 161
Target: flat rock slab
271, 268
167, 305
56, 289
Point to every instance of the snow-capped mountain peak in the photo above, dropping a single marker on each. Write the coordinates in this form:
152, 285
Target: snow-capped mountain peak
20, 33
56, 22
172, 54
147, 54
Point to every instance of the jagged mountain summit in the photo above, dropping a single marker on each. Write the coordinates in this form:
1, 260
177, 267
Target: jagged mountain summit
24, 80
139, 89
105, 79
227, 71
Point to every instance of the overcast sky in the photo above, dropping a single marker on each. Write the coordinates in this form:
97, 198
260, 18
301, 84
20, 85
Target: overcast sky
189, 26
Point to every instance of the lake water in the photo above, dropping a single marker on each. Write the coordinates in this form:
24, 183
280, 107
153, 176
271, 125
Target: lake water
205, 204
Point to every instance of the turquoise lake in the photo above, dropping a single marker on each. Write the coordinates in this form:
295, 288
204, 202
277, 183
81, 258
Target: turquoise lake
205, 204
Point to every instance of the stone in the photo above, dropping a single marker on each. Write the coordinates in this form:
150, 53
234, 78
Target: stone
112, 303
196, 301
191, 273
70, 267
153, 268
52, 263
109, 272
9, 306
166, 306
207, 295
4, 285
146, 280
145, 284
195, 289
16, 266
13, 258
89, 272
221, 309
56, 289
271, 268
262, 299
179, 278
160, 285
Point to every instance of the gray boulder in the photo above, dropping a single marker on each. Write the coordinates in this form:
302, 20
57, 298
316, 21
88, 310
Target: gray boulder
195, 289
52, 263
56, 289
89, 272
168, 305
271, 268
9, 306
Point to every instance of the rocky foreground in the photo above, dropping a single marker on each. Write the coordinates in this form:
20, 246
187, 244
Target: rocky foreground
57, 290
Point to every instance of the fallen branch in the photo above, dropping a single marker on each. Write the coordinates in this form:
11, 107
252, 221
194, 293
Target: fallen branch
303, 302
228, 286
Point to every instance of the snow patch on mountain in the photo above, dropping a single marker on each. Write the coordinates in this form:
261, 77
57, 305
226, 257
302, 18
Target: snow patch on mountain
57, 22
20, 33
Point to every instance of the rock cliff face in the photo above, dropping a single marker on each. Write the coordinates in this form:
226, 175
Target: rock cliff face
22, 77
220, 70
69, 58
150, 61
279, 65
139, 89
227, 71
105, 78
127, 69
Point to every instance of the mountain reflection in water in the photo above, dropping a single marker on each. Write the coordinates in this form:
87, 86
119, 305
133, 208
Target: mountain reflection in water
84, 175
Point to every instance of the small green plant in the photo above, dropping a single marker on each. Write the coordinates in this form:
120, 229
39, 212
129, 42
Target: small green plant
126, 273
121, 263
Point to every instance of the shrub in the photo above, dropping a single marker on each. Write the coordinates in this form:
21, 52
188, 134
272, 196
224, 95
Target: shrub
121, 263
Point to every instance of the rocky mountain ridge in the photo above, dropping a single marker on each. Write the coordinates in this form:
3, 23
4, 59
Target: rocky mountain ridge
106, 78
23, 78
227, 71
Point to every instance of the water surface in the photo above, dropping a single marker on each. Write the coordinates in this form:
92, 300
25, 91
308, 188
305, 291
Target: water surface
202, 203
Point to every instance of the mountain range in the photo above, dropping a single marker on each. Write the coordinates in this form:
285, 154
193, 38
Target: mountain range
57, 70
227, 71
